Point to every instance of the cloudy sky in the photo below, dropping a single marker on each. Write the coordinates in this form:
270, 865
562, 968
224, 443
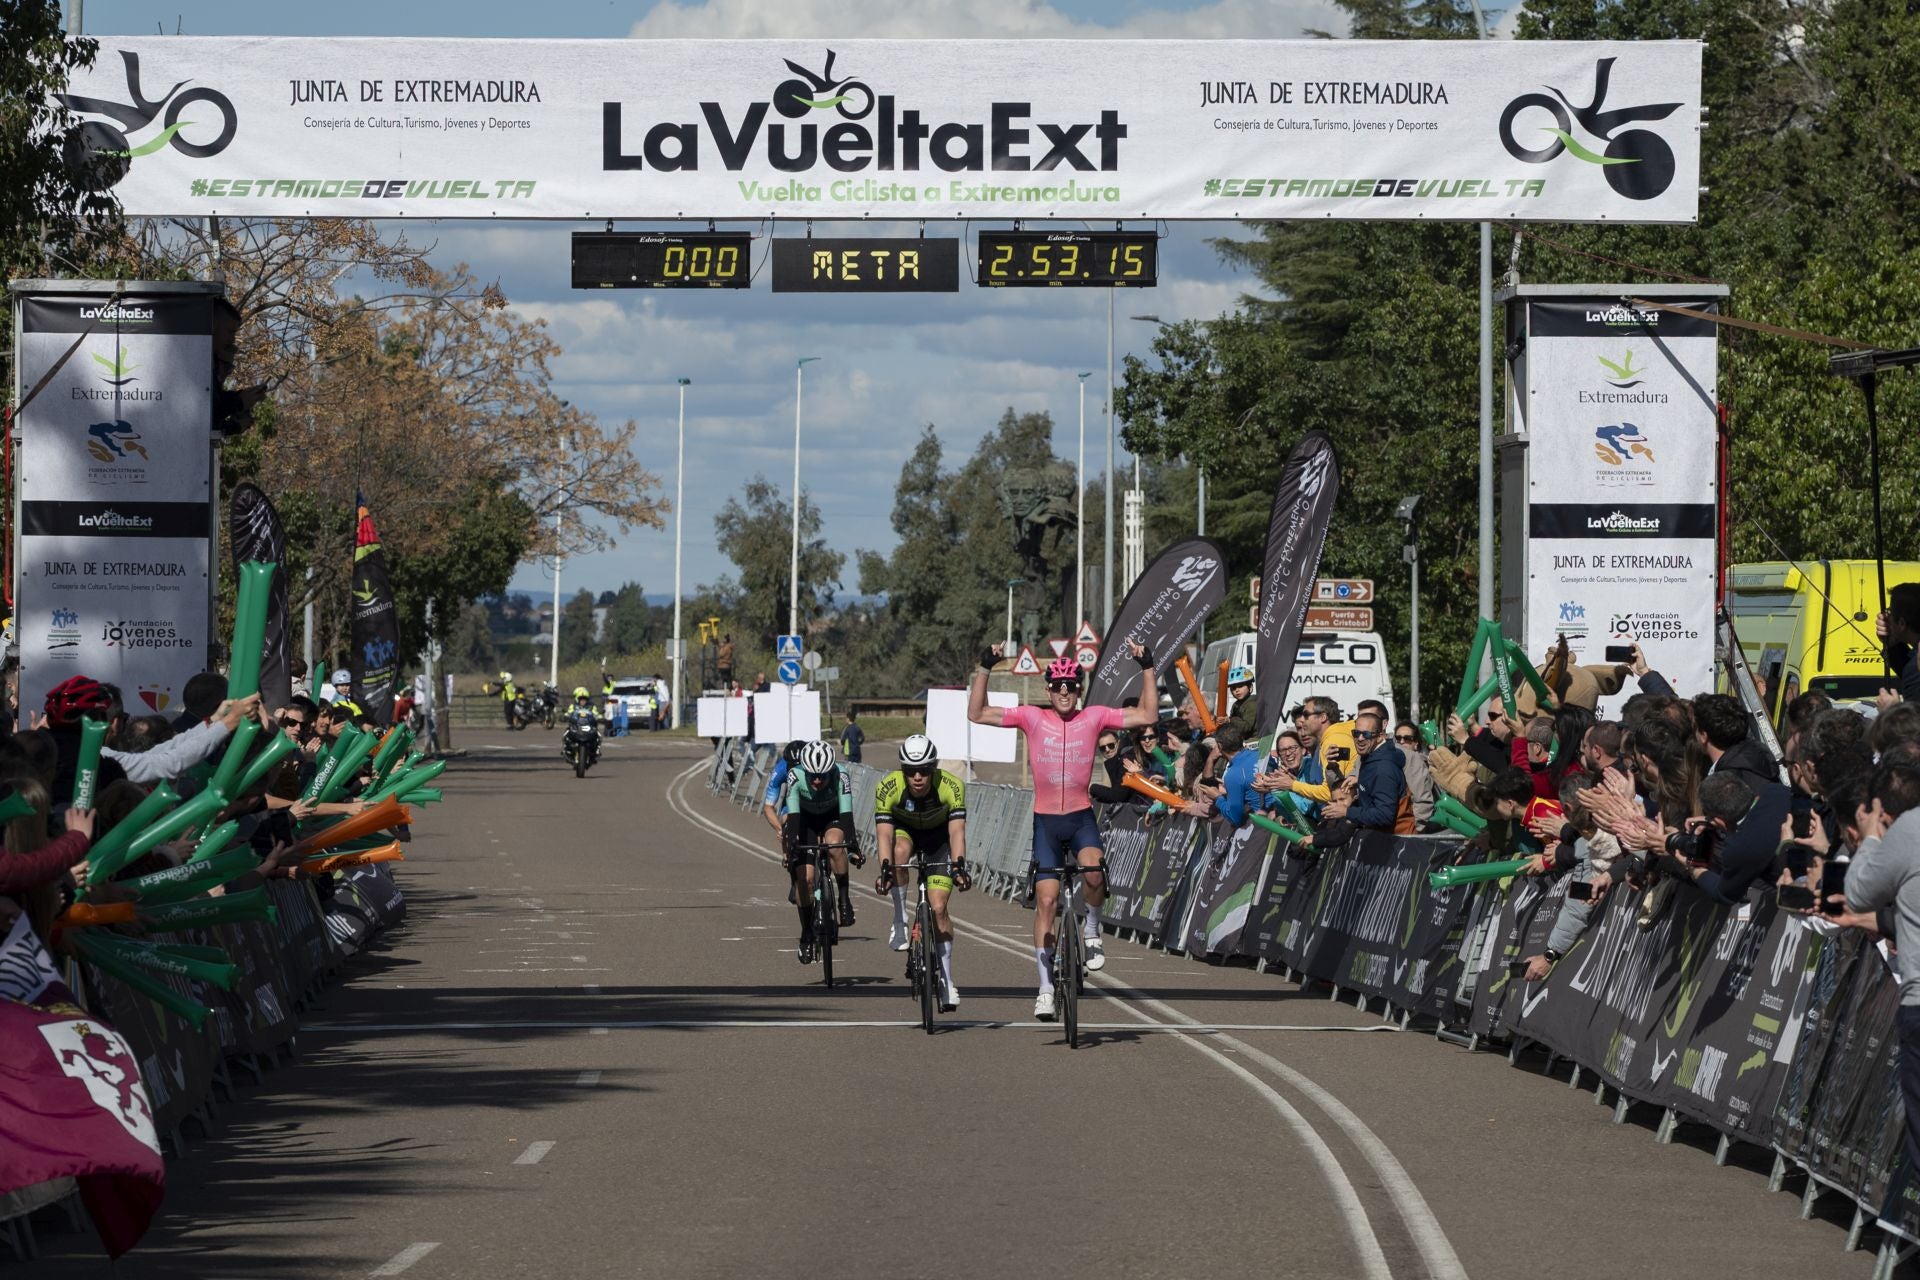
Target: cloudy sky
888, 367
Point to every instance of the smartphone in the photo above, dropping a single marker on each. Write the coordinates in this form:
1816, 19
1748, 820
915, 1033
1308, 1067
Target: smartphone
1796, 897
1832, 906
1580, 891
1619, 653
1802, 825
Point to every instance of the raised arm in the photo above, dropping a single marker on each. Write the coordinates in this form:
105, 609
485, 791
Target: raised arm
977, 709
1147, 710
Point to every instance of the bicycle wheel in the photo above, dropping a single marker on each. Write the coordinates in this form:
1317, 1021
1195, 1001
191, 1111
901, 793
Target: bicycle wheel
1068, 948
826, 925
928, 964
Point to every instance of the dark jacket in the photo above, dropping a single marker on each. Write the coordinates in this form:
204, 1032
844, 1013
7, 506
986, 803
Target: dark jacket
1904, 661
1383, 790
1747, 853
1751, 762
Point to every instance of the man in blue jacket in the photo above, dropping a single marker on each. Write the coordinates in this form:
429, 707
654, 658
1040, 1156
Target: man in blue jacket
1381, 802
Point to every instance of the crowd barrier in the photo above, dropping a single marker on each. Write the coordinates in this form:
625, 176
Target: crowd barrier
1768, 1027
283, 965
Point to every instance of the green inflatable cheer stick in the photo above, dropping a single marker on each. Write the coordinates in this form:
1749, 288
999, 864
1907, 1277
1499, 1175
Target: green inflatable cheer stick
348, 766
236, 755
392, 749
189, 879
1445, 803
1278, 828
109, 852
277, 749
230, 908
422, 795
190, 814
1474, 873
330, 763
160, 958
152, 988
409, 781
86, 773
14, 806
249, 627
215, 841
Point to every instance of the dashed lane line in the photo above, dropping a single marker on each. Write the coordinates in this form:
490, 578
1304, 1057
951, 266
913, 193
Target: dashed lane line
400, 1261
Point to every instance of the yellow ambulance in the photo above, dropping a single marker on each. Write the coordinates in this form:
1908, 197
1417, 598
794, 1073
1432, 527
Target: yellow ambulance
1809, 624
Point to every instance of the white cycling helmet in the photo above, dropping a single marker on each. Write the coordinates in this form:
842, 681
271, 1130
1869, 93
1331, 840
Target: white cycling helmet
816, 758
918, 752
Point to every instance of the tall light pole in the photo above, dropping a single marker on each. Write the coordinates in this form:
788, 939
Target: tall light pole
679, 529
553, 645
793, 573
1079, 520
1409, 514
1106, 540
1489, 604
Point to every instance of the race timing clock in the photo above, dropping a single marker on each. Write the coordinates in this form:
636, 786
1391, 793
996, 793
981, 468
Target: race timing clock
1100, 259
662, 260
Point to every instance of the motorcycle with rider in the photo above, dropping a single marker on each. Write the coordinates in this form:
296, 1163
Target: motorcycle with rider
581, 745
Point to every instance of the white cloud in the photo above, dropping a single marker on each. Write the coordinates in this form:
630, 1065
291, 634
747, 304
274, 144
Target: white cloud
977, 19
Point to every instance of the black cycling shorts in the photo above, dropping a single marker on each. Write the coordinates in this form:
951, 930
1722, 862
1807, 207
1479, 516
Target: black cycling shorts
808, 828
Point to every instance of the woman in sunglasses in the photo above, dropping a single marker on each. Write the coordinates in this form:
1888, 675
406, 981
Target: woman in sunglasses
1413, 761
1060, 743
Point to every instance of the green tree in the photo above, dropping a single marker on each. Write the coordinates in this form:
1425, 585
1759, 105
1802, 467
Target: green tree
755, 531
577, 634
470, 644
630, 620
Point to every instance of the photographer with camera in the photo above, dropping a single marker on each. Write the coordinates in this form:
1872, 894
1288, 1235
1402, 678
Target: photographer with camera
1734, 842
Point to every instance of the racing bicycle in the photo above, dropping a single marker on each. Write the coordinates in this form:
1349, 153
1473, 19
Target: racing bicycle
923, 963
1069, 946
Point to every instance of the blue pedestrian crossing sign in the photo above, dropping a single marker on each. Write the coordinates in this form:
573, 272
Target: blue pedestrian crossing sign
789, 670
785, 649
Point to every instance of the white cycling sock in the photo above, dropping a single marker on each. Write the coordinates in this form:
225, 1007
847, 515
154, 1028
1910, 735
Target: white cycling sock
1043, 961
899, 905
1090, 926
946, 962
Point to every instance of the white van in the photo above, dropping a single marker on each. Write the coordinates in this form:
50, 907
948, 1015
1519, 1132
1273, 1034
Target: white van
1347, 666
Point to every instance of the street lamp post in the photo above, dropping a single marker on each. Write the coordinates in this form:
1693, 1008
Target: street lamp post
1079, 522
1011, 584
553, 646
793, 573
1106, 540
679, 529
1409, 515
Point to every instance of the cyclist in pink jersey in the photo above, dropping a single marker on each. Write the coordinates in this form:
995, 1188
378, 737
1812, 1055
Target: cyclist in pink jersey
1060, 743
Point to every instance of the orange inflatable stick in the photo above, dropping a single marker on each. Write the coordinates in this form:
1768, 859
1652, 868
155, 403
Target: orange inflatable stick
1152, 790
84, 914
1220, 694
341, 861
388, 813
1207, 723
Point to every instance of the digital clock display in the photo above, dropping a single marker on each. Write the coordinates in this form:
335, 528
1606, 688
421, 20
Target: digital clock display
1101, 259
662, 260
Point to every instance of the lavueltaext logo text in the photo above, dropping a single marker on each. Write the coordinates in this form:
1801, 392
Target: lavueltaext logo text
863, 131
1621, 522
111, 519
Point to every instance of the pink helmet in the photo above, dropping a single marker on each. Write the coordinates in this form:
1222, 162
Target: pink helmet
1063, 669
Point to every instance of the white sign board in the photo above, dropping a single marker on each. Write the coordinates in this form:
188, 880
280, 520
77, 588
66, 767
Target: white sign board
721, 717
957, 738
785, 714
995, 129
1622, 484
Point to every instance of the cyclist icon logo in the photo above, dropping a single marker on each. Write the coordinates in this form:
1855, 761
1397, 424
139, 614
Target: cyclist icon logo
99, 153
1637, 163
822, 92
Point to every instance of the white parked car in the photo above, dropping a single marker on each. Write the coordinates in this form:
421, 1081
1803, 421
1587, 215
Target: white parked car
640, 695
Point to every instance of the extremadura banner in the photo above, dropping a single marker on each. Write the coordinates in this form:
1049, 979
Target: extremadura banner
1360, 129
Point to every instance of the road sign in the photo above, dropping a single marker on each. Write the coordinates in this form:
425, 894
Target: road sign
1086, 655
790, 671
1344, 590
1336, 617
1026, 664
812, 661
787, 648
828, 675
1059, 645
1087, 635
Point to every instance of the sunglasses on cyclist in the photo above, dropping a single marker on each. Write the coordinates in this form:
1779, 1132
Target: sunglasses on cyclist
921, 771
1063, 686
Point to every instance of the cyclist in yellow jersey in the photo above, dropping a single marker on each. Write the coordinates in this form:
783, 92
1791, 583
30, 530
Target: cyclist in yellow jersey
921, 806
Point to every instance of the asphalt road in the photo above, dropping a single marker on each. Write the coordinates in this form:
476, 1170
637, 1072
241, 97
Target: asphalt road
590, 1052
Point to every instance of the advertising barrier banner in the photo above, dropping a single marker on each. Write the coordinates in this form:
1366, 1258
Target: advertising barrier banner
1296, 534
114, 487
374, 651
1360, 129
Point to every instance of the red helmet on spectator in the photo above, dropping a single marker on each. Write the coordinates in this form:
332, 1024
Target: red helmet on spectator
75, 697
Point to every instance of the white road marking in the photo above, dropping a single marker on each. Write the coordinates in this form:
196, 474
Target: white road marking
405, 1258
588, 1078
1428, 1237
578, 959
597, 1031
534, 1153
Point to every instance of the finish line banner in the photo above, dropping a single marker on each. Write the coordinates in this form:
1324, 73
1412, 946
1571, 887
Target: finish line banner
355, 128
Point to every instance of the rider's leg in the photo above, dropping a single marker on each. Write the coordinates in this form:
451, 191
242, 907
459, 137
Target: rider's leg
1046, 900
942, 930
837, 837
902, 854
1093, 885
